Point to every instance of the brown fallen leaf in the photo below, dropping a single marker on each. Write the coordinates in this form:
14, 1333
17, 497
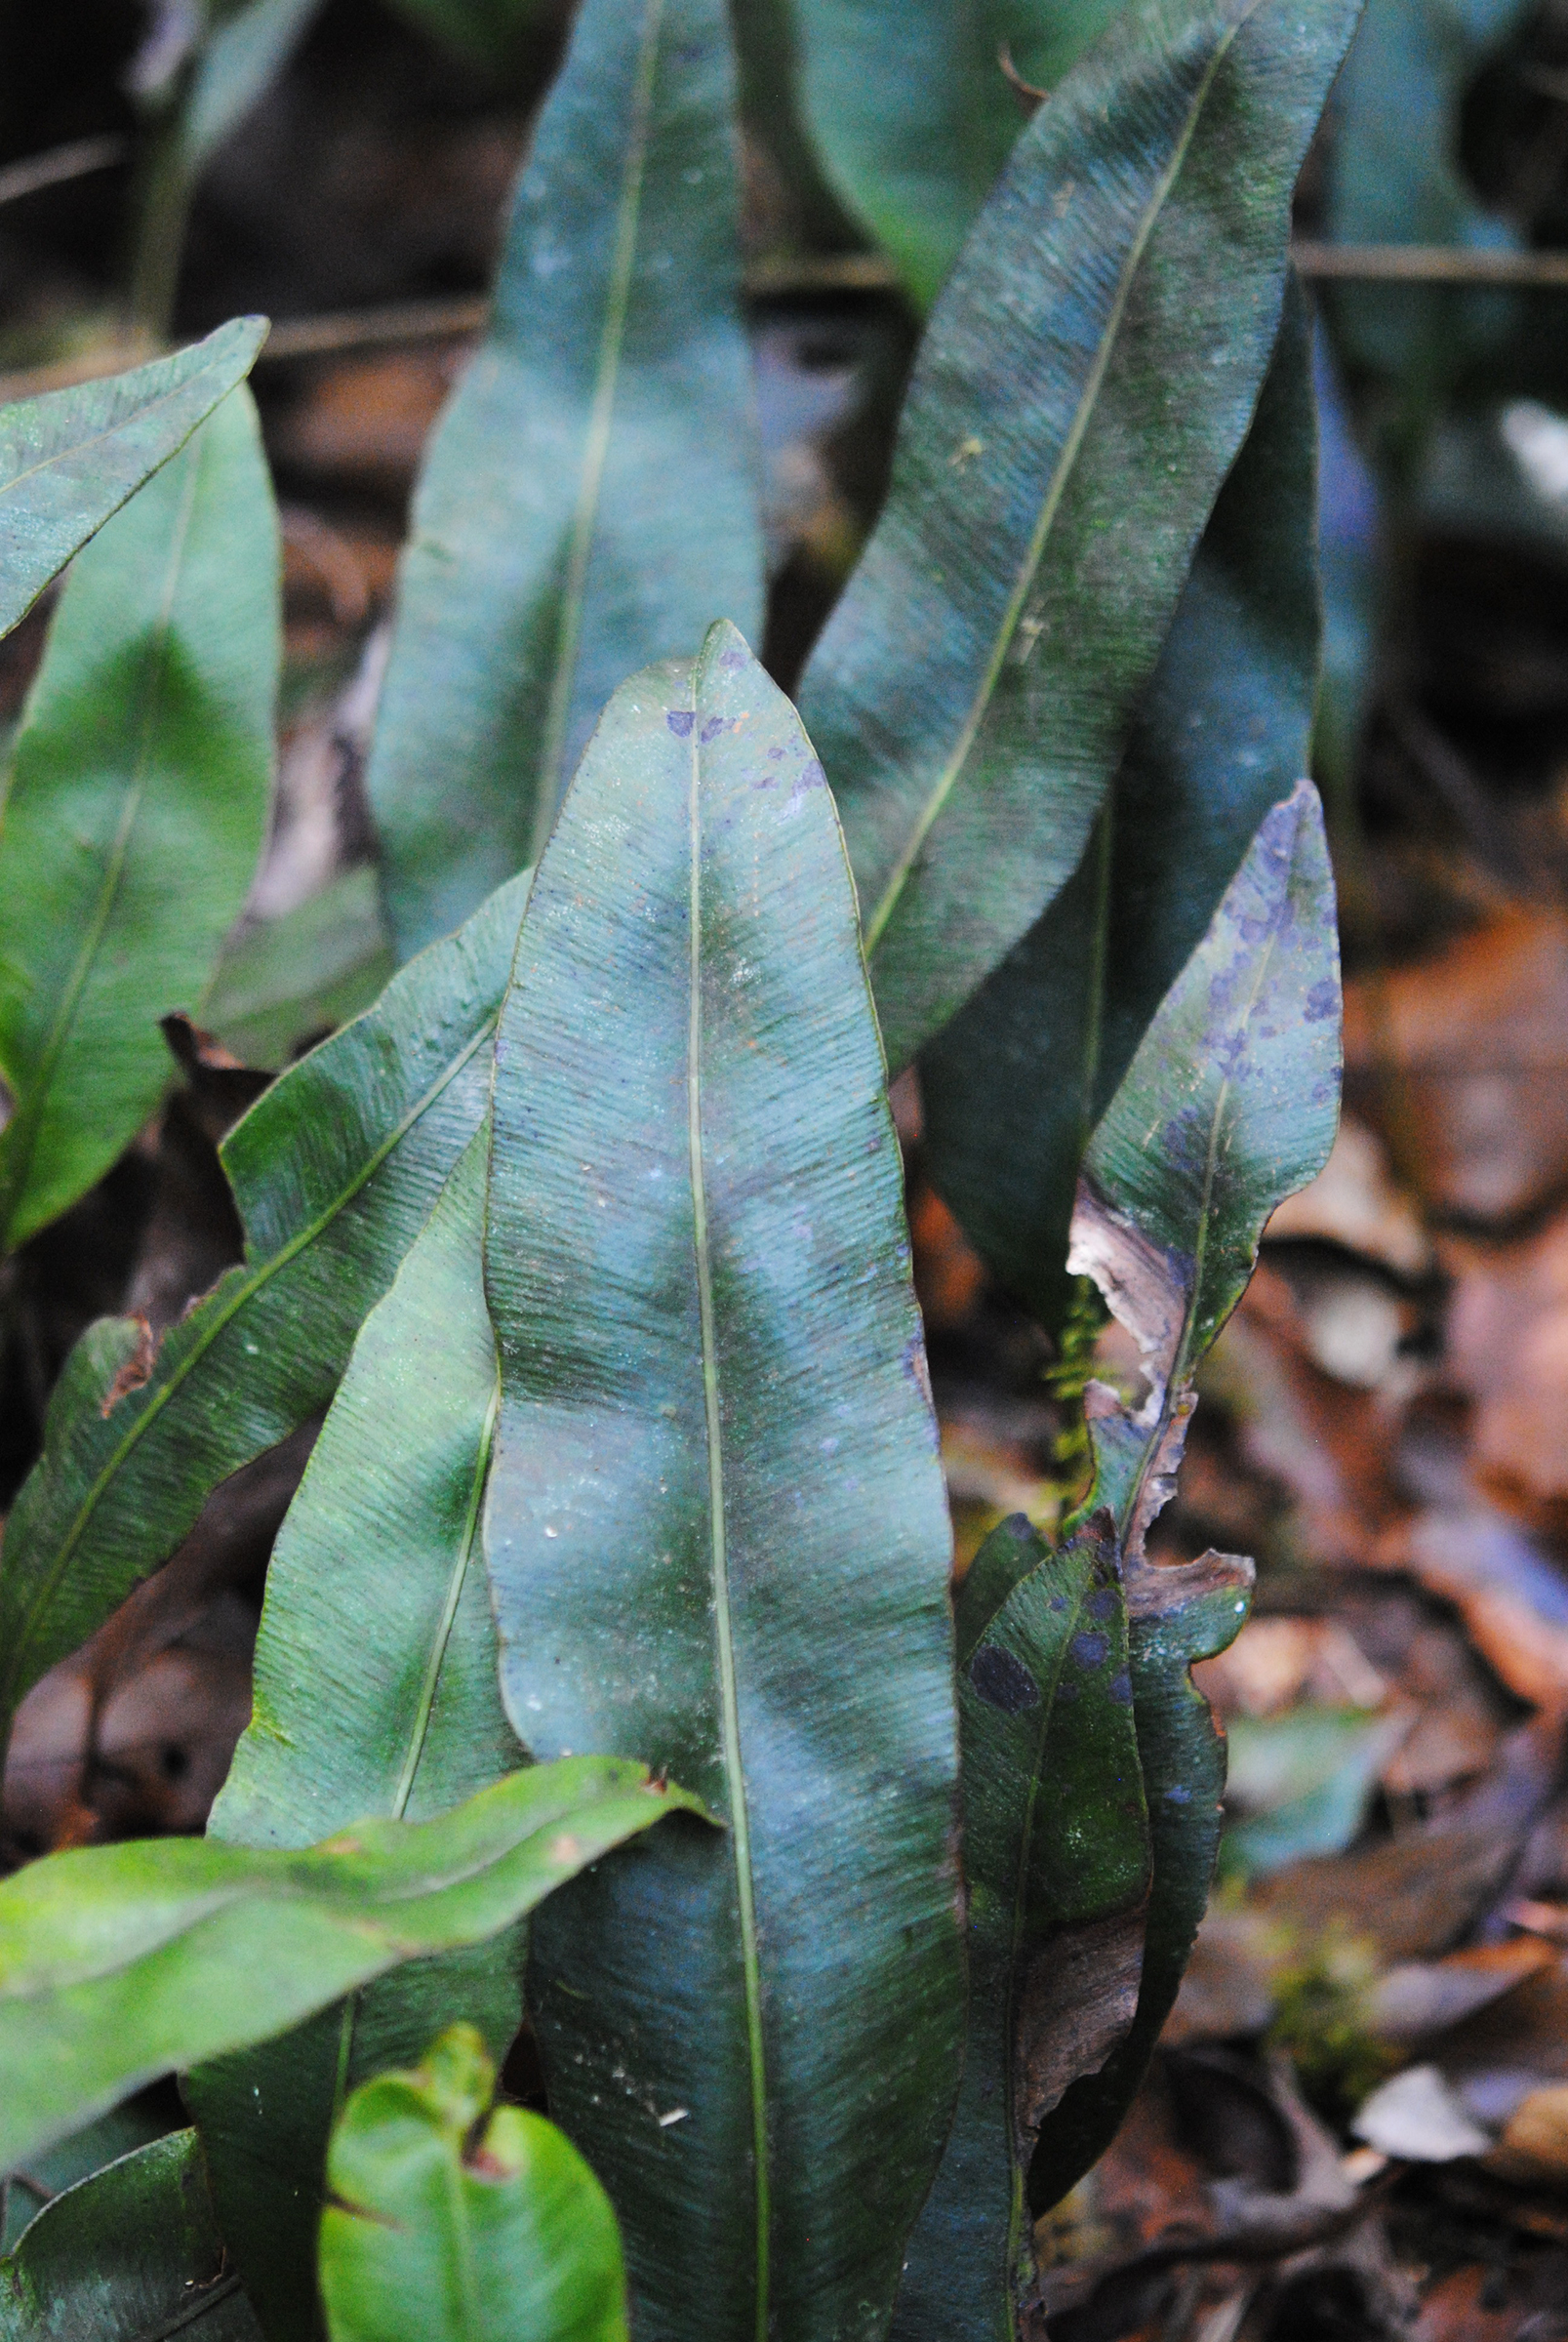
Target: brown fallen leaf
1276, 1662
1462, 1056
1533, 2146
1418, 2001
1507, 1590
1499, 2055
1507, 1351
1412, 1898
366, 419
1354, 1202
1460, 2308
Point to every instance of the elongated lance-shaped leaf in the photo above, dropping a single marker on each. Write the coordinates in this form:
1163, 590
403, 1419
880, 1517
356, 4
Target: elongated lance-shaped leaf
442, 2231
588, 500
1087, 379
119, 1963
716, 1524
1057, 1867
375, 1692
1013, 1086
334, 1171
913, 112
1178, 1613
131, 2253
1229, 1107
136, 808
71, 458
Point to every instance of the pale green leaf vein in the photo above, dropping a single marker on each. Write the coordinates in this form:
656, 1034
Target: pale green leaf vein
733, 1767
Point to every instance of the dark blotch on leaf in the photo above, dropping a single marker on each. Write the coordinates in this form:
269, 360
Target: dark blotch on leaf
1089, 1648
680, 721
1321, 1001
1003, 1682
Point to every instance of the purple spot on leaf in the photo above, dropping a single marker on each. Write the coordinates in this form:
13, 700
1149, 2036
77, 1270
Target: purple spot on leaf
680, 721
1003, 1682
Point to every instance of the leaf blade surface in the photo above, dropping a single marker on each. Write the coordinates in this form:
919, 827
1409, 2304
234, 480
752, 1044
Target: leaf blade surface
334, 1171
1057, 1869
375, 1692
1087, 379
136, 808
121, 1962
130, 2253
697, 1271
1229, 1104
71, 458
1014, 1087
589, 501
913, 115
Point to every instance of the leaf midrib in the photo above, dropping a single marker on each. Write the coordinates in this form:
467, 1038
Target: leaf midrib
597, 446
947, 778
420, 1729
243, 1293
733, 1768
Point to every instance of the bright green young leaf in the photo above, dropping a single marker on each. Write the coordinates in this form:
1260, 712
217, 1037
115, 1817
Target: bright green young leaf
127, 2255
1088, 376
716, 1526
71, 458
375, 1692
1056, 1868
588, 500
1013, 1086
334, 1171
913, 115
288, 980
121, 1962
444, 2231
1229, 1107
136, 808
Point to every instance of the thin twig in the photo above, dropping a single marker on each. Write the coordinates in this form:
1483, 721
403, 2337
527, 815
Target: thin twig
1432, 264
76, 161
1026, 93
768, 279
371, 329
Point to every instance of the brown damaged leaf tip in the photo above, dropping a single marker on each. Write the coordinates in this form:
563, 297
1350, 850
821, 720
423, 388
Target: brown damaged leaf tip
134, 1370
1140, 1282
